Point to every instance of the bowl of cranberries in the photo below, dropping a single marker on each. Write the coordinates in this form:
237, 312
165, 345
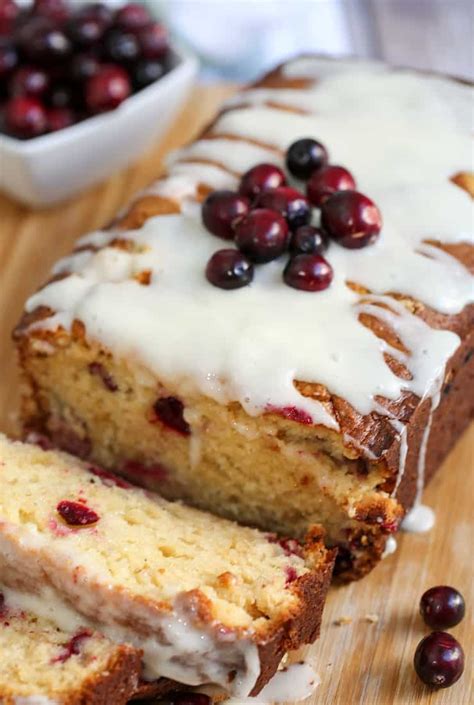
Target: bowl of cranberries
84, 89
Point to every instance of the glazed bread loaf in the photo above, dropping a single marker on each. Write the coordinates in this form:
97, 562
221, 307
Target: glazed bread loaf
43, 664
204, 599
277, 407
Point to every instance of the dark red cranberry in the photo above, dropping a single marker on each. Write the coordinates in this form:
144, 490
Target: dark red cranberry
190, 699
108, 478
107, 89
8, 13
121, 47
8, 57
85, 30
73, 646
154, 41
292, 204
62, 95
133, 17
261, 178
98, 11
56, 10
326, 181
291, 574
352, 219
262, 235
308, 240
292, 413
229, 269
25, 117
83, 66
146, 72
43, 43
291, 547
76, 514
442, 607
308, 272
60, 118
3, 608
439, 660
29, 80
170, 411
98, 369
305, 156
221, 210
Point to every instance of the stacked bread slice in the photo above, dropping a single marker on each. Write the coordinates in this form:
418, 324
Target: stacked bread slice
200, 598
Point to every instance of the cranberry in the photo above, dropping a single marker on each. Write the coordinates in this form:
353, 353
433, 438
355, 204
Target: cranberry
97, 11
170, 411
56, 10
121, 47
291, 574
59, 118
83, 66
8, 57
308, 272
221, 210
86, 30
3, 607
262, 235
107, 89
308, 240
98, 369
8, 13
25, 117
76, 514
29, 80
62, 95
439, 660
327, 181
133, 17
229, 269
261, 178
352, 219
73, 646
108, 478
43, 43
305, 156
291, 412
154, 41
190, 699
292, 204
442, 607
146, 72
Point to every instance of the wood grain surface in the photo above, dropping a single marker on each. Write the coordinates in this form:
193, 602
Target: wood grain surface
367, 659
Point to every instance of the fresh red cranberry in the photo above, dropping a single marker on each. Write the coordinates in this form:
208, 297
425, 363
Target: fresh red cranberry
8, 57
41, 42
442, 607
352, 219
121, 47
76, 514
221, 210
305, 156
170, 411
308, 240
56, 10
60, 118
439, 660
84, 30
262, 235
83, 66
98, 11
146, 72
73, 646
25, 117
308, 272
107, 89
261, 178
292, 204
326, 181
154, 41
190, 699
29, 80
229, 269
62, 95
133, 17
8, 13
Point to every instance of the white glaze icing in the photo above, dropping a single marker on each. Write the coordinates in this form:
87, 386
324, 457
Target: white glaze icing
403, 136
419, 520
296, 682
390, 547
186, 653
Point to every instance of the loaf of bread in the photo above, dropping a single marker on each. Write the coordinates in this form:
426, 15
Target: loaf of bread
204, 599
276, 407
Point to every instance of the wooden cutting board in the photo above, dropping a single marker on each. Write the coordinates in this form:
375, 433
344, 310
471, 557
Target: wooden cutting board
370, 628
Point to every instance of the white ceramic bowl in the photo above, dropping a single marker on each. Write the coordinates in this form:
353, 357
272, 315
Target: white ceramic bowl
48, 169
